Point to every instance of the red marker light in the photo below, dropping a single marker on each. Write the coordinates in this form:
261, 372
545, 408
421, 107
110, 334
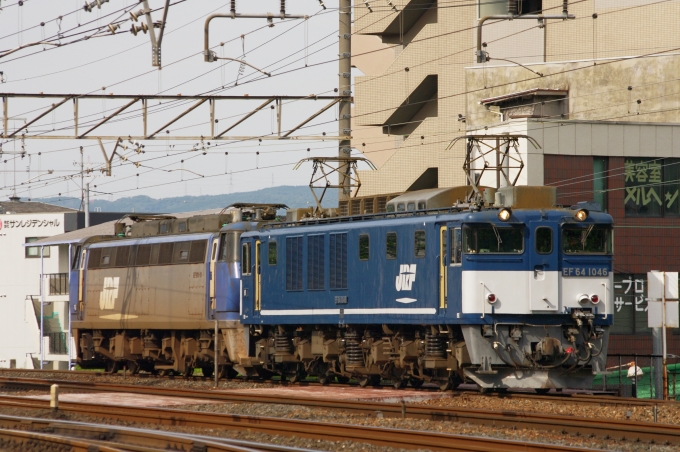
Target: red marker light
569, 351
491, 298
595, 299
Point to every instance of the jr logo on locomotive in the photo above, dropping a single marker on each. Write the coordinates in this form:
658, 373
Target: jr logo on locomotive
109, 293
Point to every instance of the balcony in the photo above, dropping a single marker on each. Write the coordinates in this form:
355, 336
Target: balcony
57, 283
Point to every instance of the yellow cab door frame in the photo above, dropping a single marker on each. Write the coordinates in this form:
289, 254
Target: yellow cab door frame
442, 268
258, 277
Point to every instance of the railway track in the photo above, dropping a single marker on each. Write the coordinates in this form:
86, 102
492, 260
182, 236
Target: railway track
602, 428
407, 439
32, 433
566, 398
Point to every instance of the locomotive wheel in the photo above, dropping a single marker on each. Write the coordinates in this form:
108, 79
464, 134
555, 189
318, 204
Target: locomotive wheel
342, 379
188, 372
133, 367
398, 384
228, 372
416, 382
369, 380
208, 371
445, 385
112, 367
298, 376
324, 380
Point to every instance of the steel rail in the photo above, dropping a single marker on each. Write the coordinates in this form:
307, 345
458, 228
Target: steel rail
12, 439
128, 438
409, 439
605, 428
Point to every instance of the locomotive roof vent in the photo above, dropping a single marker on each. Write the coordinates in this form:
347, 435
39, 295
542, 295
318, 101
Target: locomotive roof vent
430, 198
526, 197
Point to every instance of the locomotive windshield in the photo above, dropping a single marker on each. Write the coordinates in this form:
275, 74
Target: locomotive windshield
589, 240
487, 238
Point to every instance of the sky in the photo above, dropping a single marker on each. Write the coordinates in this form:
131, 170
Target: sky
301, 56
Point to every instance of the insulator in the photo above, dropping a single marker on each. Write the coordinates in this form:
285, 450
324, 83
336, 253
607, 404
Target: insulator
134, 16
355, 356
282, 343
435, 346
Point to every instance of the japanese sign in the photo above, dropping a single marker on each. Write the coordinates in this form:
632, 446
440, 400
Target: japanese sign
652, 187
27, 223
630, 304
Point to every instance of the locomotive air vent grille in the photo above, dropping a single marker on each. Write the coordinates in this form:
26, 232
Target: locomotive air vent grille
315, 263
343, 208
368, 205
293, 263
338, 261
355, 206
382, 204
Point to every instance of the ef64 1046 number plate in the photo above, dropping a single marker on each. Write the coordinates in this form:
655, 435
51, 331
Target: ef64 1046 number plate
585, 271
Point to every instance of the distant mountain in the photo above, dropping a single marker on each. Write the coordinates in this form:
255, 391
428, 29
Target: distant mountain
292, 196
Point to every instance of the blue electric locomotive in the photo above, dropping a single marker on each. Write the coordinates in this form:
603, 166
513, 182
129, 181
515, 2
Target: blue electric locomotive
507, 296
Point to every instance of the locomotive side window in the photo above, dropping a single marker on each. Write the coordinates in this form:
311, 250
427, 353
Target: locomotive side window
489, 239
182, 226
419, 245
544, 240
391, 243
590, 240
155, 251
411, 206
245, 259
143, 255
364, 247
180, 253
95, 257
122, 256
273, 252
75, 265
108, 255
456, 246
400, 207
197, 252
165, 254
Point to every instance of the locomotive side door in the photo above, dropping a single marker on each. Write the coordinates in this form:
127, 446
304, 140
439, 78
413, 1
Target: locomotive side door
258, 277
213, 276
443, 283
543, 274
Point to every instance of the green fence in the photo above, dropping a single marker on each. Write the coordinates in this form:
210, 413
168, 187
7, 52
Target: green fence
617, 379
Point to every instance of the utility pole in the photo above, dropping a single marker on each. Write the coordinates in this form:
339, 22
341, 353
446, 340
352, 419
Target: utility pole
345, 93
82, 180
87, 205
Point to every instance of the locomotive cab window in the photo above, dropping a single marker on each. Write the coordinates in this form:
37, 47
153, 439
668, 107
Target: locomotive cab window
273, 253
364, 247
544, 240
391, 245
589, 240
490, 239
419, 243
456, 246
75, 264
245, 259
229, 247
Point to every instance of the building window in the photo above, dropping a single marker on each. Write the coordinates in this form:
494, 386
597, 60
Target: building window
652, 187
419, 243
493, 7
364, 247
273, 253
34, 251
391, 245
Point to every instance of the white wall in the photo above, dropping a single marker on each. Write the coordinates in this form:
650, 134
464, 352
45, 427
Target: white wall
19, 278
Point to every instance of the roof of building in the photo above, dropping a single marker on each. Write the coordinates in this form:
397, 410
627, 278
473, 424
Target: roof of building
8, 207
105, 229
527, 93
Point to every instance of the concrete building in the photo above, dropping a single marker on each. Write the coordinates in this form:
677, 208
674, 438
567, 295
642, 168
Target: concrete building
26, 296
411, 95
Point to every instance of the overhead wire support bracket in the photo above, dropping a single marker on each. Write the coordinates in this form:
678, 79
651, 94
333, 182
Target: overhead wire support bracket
209, 56
514, 15
346, 167
156, 41
108, 159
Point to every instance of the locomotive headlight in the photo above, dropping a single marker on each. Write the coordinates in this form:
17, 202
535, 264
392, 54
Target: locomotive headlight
583, 299
504, 214
581, 215
595, 299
